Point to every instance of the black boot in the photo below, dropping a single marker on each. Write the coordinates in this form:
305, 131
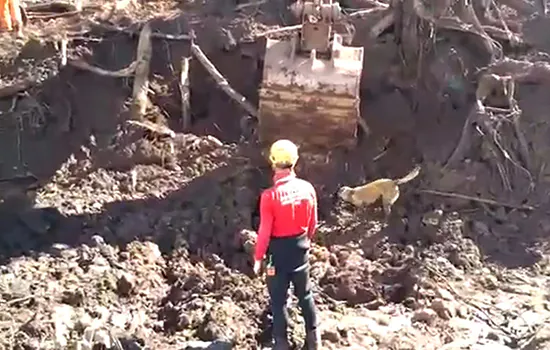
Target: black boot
313, 340
281, 344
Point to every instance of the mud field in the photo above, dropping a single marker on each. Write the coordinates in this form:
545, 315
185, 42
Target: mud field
114, 238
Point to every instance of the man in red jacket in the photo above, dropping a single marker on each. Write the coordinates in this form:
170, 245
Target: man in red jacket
288, 218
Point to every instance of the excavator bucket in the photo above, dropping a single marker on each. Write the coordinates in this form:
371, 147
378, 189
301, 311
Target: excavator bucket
311, 99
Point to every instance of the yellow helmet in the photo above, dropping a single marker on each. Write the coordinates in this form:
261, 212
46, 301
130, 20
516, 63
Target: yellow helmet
283, 152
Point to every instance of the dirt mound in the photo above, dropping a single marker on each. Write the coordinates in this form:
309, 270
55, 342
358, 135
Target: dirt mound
83, 295
212, 300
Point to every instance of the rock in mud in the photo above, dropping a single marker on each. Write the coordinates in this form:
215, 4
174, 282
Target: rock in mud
12, 287
481, 228
225, 321
62, 318
332, 335
73, 297
126, 284
62, 250
427, 316
149, 252
489, 282
444, 294
444, 309
432, 218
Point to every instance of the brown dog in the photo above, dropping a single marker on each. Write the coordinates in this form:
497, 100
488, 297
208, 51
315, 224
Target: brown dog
386, 189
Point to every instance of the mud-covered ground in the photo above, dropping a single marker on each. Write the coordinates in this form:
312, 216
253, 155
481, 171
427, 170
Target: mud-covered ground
136, 242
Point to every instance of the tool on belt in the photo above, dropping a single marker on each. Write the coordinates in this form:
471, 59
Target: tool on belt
270, 268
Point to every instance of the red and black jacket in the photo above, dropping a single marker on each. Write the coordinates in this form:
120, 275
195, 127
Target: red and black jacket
288, 218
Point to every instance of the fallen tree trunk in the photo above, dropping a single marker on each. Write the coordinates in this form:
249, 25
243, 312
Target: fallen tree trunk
64, 44
140, 100
184, 88
221, 81
384, 23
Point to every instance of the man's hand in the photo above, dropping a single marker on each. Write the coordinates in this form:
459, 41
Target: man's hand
257, 266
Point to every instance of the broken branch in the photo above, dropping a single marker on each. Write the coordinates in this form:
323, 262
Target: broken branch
159, 130
53, 16
360, 13
279, 31
59, 7
221, 81
56, 7
243, 6
477, 199
384, 23
376, 3
130, 32
63, 52
184, 88
141, 81
502, 34
121, 73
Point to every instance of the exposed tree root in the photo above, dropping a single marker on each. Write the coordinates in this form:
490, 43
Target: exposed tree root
417, 22
121, 73
489, 123
417, 25
464, 20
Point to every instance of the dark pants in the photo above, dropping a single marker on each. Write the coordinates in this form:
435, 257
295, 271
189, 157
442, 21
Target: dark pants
278, 291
